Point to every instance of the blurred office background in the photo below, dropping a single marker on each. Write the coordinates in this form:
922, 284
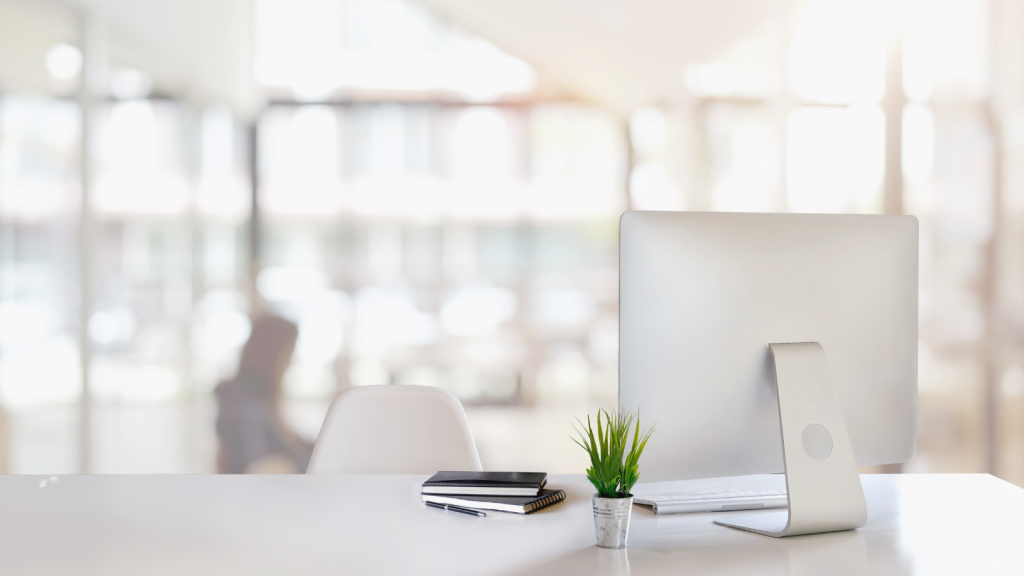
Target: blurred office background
431, 190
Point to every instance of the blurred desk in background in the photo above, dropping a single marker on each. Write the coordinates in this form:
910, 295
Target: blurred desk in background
374, 524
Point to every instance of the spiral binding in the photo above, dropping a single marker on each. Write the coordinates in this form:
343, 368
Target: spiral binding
553, 498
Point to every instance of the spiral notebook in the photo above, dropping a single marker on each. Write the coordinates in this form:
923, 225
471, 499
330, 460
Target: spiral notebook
513, 504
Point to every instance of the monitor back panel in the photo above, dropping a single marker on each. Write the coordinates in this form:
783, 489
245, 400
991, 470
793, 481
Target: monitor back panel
703, 294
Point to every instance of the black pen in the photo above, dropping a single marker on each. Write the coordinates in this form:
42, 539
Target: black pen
460, 509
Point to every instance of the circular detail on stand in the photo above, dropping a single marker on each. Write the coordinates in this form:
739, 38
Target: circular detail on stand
817, 441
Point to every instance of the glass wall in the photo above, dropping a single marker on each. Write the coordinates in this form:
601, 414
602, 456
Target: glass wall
40, 370
169, 268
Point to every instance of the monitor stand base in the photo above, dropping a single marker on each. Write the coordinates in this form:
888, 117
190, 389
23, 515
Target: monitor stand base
825, 493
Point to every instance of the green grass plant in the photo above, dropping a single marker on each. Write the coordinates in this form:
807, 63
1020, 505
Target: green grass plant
613, 471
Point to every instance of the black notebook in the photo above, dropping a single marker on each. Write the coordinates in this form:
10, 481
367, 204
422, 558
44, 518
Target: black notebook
514, 504
486, 483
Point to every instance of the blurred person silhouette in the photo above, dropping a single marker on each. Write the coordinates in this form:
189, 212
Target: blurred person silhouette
253, 438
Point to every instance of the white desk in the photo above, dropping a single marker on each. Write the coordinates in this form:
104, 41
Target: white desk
120, 525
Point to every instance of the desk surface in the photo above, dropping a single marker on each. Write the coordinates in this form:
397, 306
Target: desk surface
114, 525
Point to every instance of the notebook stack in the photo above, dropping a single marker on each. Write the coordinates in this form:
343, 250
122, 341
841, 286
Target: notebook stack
515, 492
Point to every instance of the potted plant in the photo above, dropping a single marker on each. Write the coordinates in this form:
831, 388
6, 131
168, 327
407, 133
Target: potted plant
613, 471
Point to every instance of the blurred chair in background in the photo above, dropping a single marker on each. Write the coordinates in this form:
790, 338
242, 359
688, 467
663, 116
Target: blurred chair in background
253, 438
394, 430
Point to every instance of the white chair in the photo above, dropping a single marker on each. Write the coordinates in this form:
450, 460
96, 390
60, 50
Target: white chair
394, 430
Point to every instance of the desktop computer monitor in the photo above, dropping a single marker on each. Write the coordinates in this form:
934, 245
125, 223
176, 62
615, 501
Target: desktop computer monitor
703, 294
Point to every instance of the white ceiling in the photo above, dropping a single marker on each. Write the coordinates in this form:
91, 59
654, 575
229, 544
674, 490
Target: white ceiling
201, 49
619, 53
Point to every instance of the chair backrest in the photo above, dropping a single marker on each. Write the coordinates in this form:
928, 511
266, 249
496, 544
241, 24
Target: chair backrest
394, 430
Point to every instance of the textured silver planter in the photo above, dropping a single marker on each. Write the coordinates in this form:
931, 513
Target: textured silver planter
611, 521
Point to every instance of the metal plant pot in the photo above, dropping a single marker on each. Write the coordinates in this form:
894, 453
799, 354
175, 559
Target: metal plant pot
611, 521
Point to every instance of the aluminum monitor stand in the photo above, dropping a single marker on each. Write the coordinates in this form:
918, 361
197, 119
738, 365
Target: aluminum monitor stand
825, 494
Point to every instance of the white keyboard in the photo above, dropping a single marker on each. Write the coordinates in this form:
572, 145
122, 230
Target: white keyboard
714, 502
